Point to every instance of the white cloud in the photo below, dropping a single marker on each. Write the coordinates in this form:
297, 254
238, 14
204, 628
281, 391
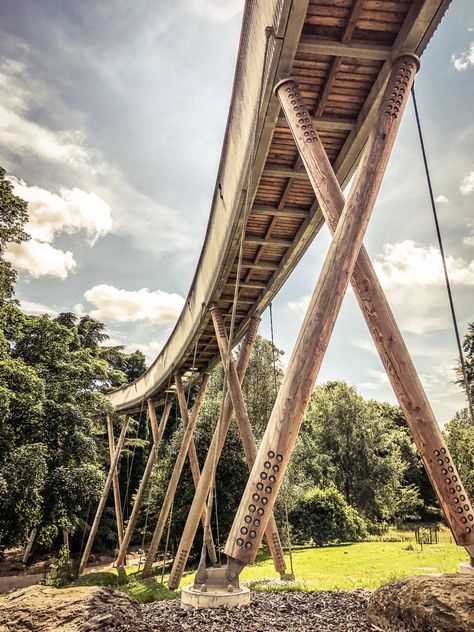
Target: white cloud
40, 259
37, 308
409, 264
467, 184
130, 306
465, 59
300, 306
216, 10
412, 275
380, 379
442, 199
71, 210
24, 136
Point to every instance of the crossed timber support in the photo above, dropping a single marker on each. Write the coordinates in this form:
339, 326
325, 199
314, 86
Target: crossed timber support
383, 328
115, 482
292, 400
216, 447
105, 492
187, 448
157, 434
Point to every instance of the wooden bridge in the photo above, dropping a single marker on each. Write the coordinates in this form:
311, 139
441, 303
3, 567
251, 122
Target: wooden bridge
290, 147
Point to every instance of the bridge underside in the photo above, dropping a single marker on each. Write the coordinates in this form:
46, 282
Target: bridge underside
340, 53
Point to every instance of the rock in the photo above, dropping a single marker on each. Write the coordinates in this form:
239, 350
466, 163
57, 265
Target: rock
81, 609
16, 566
426, 603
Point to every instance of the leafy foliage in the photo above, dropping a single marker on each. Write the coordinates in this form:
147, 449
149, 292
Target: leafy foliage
13, 217
357, 447
460, 439
324, 517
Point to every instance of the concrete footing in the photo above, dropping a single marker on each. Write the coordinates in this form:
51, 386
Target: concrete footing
193, 598
466, 568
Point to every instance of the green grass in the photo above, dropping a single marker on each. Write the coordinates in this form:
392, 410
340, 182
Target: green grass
361, 565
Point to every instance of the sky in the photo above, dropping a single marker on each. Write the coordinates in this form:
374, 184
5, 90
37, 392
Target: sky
112, 117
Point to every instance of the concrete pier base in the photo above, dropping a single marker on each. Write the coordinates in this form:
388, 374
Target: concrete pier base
466, 568
193, 598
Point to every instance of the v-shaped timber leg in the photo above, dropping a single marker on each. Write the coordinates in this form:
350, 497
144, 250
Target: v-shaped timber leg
215, 451
115, 482
282, 431
245, 431
103, 499
187, 447
157, 434
383, 327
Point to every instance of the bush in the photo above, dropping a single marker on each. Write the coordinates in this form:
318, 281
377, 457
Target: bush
60, 573
323, 516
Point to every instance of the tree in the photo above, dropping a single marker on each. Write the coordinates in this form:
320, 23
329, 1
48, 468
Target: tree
53, 373
357, 447
468, 348
459, 433
13, 217
324, 517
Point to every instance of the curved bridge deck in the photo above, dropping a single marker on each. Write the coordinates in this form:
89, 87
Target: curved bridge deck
340, 52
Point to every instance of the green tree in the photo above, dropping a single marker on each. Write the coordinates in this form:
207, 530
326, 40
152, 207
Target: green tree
13, 217
323, 517
459, 433
355, 446
468, 348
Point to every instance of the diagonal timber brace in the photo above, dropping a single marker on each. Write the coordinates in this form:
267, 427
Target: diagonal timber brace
103, 499
215, 449
383, 328
245, 429
280, 436
189, 424
157, 433
115, 482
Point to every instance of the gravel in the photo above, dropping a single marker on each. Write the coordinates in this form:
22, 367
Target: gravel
328, 611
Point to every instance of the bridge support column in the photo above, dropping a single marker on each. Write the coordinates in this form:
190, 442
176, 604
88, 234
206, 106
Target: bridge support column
189, 424
157, 433
383, 328
217, 444
115, 482
245, 431
280, 436
105, 493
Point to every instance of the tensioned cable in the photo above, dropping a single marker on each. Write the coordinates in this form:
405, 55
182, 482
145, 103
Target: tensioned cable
443, 258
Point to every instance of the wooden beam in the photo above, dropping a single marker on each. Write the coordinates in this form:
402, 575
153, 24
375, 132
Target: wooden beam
352, 21
261, 209
245, 430
115, 483
276, 171
268, 241
326, 123
215, 450
331, 77
385, 333
105, 493
189, 424
310, 46
259, 265
157, 433
282, 431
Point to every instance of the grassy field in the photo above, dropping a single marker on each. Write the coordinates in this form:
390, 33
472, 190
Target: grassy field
361, 565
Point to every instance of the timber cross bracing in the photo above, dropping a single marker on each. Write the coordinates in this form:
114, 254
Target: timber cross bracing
340, 54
